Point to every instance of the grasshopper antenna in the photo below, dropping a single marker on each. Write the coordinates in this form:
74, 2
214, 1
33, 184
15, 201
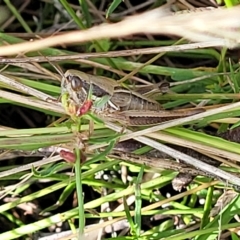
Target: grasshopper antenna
59, 71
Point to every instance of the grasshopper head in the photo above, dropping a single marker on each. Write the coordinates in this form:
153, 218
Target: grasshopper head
74, 87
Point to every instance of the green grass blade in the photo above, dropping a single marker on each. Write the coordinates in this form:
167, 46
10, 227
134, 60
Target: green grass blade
112, 7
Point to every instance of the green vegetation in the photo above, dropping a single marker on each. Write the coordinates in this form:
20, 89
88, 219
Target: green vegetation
95, 190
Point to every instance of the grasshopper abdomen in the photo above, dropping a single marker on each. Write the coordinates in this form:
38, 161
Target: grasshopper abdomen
128, 100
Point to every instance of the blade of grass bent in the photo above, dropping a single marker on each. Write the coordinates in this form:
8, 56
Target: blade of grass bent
185, 158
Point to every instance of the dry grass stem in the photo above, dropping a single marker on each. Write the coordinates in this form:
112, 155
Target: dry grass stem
221, 27
55, 107
121, 53
177, 155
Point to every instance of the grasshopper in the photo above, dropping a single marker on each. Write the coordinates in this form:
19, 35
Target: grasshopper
111, 101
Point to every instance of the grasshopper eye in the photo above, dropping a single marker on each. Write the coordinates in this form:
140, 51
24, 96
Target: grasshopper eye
76, 83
